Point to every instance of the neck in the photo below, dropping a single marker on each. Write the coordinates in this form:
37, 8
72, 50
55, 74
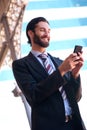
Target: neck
38, 48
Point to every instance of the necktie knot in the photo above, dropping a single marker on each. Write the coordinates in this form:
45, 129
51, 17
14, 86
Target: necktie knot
43, 57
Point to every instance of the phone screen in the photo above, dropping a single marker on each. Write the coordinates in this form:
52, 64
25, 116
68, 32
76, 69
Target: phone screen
77, 49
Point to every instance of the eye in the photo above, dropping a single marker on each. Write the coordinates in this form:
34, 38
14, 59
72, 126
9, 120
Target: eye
45, 30
42, 29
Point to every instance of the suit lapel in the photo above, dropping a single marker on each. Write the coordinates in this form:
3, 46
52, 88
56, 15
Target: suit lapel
36, 65
55, 62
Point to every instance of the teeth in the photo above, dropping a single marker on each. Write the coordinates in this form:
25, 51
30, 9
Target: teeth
46, 39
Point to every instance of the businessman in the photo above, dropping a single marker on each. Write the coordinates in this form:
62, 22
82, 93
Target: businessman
51, 86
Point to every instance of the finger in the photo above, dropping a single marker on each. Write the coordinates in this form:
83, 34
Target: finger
76, 58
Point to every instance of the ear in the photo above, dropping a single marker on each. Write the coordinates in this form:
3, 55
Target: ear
30, 33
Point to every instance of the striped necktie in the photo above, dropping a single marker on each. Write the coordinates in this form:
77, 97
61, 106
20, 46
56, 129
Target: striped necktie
46, 63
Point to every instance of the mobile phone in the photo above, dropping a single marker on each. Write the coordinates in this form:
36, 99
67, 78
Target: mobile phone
78, 48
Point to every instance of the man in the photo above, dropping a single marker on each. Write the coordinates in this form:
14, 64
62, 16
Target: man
51, 86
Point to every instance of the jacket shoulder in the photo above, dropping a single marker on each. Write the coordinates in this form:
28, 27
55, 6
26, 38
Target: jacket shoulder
20, 61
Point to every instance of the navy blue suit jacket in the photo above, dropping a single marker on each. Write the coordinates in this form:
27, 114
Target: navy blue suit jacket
41, 92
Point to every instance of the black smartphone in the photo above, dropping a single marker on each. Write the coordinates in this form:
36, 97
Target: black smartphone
78, 48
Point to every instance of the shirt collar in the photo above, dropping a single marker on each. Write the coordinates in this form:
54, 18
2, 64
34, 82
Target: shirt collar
37, 53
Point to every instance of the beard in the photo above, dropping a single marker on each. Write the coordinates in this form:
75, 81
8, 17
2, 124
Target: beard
38, 41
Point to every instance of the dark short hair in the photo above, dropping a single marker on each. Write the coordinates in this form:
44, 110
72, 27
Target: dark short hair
32, 24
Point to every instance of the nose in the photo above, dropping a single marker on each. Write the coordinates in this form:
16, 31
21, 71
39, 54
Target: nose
47, 32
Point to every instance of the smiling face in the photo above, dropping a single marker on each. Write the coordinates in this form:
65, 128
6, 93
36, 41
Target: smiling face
41, 34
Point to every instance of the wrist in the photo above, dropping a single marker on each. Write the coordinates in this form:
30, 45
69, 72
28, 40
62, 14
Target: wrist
75, 75
62, 71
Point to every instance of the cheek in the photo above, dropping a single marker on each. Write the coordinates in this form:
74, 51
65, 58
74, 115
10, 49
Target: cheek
39, 34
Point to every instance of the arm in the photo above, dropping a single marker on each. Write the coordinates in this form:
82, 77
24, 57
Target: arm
35, 87
73, 63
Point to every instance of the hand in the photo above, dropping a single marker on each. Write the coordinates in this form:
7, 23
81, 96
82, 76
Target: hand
75, 71
71, 63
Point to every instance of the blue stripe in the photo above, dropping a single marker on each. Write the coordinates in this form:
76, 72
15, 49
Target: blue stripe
66, 44
68, 23
25, 48
63, 23
79, 2
6, 75
48, 4
35, 5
